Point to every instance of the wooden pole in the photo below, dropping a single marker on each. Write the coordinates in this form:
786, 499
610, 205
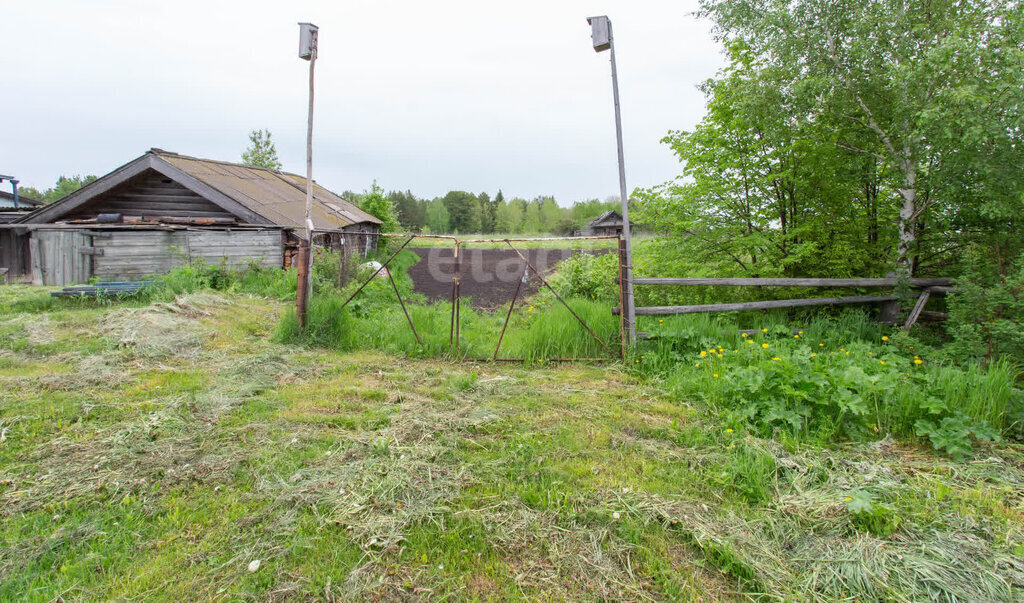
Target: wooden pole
306, 260
627, 289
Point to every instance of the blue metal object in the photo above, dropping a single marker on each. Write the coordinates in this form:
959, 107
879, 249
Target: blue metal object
119, 288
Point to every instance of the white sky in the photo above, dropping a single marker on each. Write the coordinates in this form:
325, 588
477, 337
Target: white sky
427, 96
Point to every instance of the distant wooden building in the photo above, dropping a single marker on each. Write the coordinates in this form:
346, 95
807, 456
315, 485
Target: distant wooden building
163, 209
607, 224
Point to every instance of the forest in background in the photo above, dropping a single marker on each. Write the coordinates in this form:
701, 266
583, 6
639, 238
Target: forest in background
467, 213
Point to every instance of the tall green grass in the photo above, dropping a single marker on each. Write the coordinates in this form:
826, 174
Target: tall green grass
535, 332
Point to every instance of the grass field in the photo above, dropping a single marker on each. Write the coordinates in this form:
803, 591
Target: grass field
175, 450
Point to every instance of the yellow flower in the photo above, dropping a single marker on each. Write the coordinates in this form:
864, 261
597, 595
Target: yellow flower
764, 330
728, 431
796, 337
643, 357
697, 365
735, 351
531, 309
743, 335
776, 358
821, 345
917, 361
750, 341
800, 332
715, 375
721, 356
842, 349
884, 338
764, 345
814, 355
703, 353
661, 320
847, 499
882, 361
637, 361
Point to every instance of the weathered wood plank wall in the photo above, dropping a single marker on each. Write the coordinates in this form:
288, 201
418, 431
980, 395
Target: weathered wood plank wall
154, 195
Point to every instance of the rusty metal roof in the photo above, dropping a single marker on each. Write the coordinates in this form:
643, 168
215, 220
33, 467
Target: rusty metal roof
280, 197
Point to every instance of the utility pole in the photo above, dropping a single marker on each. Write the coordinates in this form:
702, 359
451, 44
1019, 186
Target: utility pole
308, 34
601, 35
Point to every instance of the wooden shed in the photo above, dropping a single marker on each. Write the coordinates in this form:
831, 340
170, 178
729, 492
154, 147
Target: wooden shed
608, 223
164, 209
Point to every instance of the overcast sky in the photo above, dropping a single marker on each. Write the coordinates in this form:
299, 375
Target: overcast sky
427, 96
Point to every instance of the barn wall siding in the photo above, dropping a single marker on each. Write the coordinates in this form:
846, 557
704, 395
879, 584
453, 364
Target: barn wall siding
136, 254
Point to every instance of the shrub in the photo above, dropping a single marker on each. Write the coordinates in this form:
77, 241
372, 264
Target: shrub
811, 385
588, 276
986, 312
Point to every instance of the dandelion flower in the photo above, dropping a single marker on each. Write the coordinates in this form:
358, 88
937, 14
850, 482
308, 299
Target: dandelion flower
882, 361
764, 345
814, 355
797, 336
661, 320
821, 345
728, 431
697, 365
721, 356
847, 499
637, 361
703, 353
764, 330
750, 341
800, 332
917, 361
715, 375
743, 335
776, 358
885, 338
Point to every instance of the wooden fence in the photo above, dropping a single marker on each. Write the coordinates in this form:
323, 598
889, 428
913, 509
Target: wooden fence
928, 286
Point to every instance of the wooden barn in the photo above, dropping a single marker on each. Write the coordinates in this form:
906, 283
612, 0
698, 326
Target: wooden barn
164, 209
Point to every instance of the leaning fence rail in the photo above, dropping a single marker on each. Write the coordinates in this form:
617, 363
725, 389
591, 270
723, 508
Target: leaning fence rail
928, 286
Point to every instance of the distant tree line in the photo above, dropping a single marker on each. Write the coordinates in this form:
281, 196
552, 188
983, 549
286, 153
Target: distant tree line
464, 212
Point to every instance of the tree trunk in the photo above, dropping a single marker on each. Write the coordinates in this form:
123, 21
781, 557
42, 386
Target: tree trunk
907, 232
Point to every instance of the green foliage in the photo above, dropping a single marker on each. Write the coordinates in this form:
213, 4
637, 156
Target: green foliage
986, 311
375, 203
952, 435
463, 211
835, 380
588, 276
65, 186
261, 151
438, 219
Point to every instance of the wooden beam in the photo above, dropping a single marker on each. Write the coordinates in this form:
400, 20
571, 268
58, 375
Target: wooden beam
918, 307
791, 282
760, 305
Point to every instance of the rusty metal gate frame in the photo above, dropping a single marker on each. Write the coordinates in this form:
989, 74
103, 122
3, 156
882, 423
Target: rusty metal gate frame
454, 324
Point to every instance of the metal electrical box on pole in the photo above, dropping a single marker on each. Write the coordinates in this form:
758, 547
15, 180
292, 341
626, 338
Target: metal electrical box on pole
601, 36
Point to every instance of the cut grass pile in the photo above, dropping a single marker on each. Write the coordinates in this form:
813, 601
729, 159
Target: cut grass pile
158, 451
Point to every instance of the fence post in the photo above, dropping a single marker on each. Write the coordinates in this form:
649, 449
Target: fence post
302, 286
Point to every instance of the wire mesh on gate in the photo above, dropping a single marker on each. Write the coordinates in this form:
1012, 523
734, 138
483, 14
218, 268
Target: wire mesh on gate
351, 242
